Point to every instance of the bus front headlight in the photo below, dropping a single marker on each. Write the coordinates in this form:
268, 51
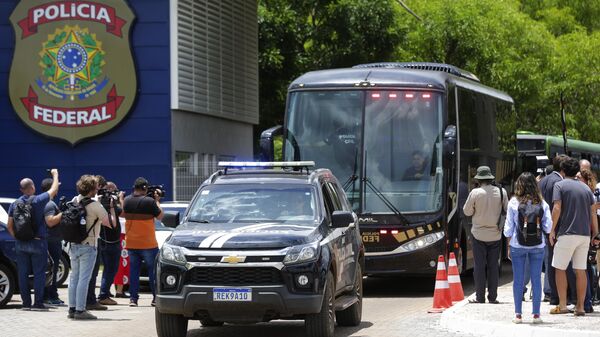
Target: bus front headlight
422, 242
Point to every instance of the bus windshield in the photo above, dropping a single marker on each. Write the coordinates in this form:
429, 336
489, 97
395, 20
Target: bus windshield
402, 144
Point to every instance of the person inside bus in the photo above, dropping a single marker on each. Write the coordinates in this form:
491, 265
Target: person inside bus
417, 170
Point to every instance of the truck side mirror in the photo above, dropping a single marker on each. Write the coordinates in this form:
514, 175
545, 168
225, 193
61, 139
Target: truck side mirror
267, 144
340, 219
449, 145
171, 219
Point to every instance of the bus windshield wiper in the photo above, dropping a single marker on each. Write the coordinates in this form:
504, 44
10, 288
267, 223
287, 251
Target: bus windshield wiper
386, 201
352, 178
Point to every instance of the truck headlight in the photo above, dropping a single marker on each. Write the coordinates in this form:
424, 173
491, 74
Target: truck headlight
302, 253
172, 253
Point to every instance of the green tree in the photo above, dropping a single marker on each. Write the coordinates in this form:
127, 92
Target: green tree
504, 47
298, 36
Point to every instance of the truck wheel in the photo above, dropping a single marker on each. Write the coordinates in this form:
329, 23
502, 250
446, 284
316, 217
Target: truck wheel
7, 284
168, 325
352, 315
323, 323
63, 271
210, 322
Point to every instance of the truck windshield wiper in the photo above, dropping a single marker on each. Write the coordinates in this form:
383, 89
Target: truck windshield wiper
386, 201
198, 221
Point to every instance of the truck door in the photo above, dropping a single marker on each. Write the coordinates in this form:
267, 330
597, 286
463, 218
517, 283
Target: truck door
348, 249
335, 236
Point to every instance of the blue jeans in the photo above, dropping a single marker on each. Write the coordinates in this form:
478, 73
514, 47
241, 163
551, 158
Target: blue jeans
135, 259
535, 257
32, 258
83, 258
55, 251
587, 304
110, 254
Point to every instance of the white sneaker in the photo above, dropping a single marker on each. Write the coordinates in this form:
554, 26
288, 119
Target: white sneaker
537, 320
518, 319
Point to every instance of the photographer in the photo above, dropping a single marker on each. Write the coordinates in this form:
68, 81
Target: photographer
140, 210
109, 248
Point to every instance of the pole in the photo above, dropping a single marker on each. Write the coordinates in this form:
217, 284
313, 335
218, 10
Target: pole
564, 122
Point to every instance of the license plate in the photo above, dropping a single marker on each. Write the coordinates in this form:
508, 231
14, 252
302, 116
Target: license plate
232, 294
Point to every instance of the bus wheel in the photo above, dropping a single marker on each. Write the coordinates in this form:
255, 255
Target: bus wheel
459, 259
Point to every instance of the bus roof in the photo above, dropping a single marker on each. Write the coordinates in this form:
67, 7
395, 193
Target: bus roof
386, 77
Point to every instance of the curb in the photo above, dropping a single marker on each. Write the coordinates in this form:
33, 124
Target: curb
453, 321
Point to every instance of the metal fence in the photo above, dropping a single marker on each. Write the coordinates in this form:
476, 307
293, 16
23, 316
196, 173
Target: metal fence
190, 170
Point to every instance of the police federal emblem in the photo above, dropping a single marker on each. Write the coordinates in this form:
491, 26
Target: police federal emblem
72, 75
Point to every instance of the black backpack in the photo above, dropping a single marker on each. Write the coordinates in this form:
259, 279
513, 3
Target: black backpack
529, 227
24, 224
73, 224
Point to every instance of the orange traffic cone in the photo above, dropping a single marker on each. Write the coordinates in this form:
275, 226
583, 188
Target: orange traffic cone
456, 291
441, 294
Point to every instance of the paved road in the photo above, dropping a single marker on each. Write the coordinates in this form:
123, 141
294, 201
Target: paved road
392, 307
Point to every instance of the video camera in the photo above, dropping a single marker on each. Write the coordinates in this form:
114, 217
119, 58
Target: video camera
152, 189
105, 196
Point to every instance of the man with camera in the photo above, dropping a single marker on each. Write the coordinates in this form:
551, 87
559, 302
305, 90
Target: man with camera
140, 209
109, 249
31, 247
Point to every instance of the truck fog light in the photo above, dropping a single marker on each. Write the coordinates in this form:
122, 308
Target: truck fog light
303, 280
171, 280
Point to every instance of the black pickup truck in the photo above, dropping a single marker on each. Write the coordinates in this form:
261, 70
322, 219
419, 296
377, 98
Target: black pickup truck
258, 244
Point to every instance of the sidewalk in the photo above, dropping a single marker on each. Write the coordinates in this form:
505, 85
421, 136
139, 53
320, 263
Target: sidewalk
495, 319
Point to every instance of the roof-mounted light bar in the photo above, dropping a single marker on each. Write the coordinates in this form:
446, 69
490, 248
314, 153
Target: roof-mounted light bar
262, 164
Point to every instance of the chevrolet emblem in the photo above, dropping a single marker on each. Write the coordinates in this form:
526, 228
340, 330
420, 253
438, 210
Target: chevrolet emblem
233, 259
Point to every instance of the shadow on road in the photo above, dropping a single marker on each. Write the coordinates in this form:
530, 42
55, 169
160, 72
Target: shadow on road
271, 329
403, 286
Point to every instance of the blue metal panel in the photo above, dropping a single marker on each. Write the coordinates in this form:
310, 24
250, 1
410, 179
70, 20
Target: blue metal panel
139, 146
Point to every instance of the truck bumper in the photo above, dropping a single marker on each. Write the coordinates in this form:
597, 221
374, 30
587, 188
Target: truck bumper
268, 302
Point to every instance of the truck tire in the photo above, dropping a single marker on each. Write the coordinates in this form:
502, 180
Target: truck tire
322, 324
7, 284
168, 325
352, 315
210, 322
63, 270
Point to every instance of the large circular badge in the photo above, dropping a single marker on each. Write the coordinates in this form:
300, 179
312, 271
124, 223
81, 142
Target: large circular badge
71, 58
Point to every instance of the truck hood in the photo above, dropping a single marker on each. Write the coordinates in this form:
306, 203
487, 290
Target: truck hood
232, 236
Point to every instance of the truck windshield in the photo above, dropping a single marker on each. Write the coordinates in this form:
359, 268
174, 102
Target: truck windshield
254, 203
402, 154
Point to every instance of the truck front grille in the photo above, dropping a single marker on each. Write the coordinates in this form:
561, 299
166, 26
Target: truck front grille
234, 276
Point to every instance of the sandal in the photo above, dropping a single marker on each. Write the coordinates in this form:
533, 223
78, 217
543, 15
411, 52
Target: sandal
579, 313
557, 310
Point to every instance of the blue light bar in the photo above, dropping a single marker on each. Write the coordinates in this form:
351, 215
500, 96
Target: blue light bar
233, 164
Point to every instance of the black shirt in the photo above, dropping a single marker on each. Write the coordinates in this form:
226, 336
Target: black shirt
140, 205
112, 235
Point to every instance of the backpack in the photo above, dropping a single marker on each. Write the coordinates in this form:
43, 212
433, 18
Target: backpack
73, 224
24, 224
529, 228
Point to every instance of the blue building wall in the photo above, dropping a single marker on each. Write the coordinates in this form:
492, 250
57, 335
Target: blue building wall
139, 146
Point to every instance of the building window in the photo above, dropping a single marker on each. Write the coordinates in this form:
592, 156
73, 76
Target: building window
214, 58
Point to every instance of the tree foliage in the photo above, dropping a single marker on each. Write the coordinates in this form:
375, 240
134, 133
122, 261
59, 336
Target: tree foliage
535, 50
